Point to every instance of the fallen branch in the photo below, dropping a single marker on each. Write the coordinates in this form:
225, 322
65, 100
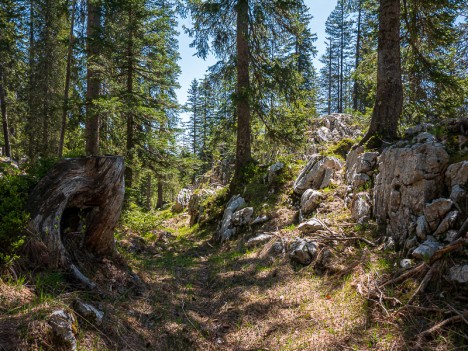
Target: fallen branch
406, 275
436, 327
427, 278
449, 248
340, 238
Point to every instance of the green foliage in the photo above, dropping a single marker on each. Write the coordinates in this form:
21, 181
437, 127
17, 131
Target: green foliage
140, 221
14, 192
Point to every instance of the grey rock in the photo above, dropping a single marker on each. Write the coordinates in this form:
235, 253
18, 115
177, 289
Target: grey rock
226, 228
63, 324
459, 274
389, 243
422, 228
242, 217
317, 173
303, 251
450, 236
258, 240
427, 249
457, 174
408, 178
460, 197
273, 171
361, 207
447, 223
182, 200
425, 137
436, 211
310, 200
195, 206
311, 226
406, 263
278, 247
358, 165
88, 312
411, 242
423, 127
260, 220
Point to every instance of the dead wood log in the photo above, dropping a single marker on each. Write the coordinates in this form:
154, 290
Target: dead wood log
78, 197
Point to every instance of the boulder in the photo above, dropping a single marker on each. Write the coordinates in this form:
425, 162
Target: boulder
457, 174
436, 211
226, 228
456, 178
310, 200
361, 207
427, 249
258, 240
422, 228
310, 226
359, 165
88, 312
260, 220
423, 127
64, 326
273, 171
195, 206
182, 200
317, 173
425, 137
303, 251
406, 263
408, 178
459, 273
242, 217
447, 223
333, 128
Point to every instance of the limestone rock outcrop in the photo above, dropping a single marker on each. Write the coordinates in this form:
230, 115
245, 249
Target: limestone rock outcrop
317, 174
410, 176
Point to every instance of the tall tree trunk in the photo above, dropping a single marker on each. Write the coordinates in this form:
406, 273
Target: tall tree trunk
357, 57
243, 148
3, 108
329, 76
149, 192
341, 76
32, 136
389, 98
130, 115
159, 204
93, 81
67, 80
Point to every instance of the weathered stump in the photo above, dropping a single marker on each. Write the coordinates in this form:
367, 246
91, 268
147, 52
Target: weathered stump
78, 201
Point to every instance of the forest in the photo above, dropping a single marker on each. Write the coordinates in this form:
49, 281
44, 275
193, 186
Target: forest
299, 199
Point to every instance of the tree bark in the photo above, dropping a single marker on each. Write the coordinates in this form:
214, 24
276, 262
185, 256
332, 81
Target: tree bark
3, 108
357, 56
389, 98
67, 80
329, 76
93, 81
130, 117
243, 148
84, 195
160, 203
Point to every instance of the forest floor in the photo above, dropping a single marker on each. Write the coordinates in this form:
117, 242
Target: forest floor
199, 296
170, 287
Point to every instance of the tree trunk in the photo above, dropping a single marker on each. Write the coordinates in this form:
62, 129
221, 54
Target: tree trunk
93, 81
3, 108
243, 148
341, 76
159, 204
67, 80
129, 93
76, 206
357, 56
149, 192
329, 76
389, 98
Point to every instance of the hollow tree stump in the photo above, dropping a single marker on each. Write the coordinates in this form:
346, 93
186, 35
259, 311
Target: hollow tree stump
81, 197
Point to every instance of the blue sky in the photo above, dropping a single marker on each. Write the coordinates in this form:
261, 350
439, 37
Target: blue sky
193, 67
